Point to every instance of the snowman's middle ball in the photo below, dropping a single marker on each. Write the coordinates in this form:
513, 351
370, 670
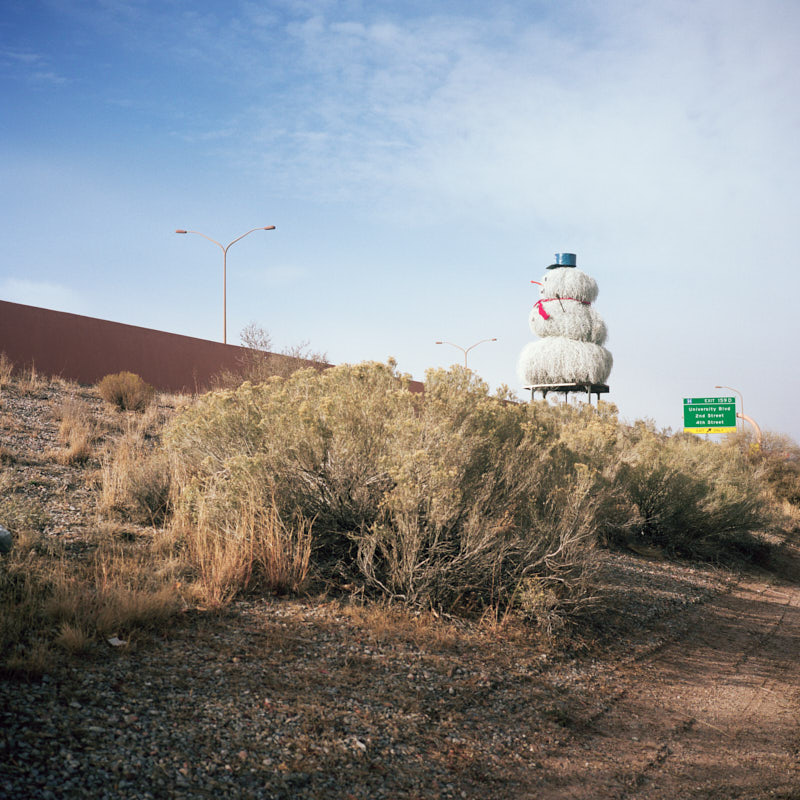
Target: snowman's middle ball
570, 318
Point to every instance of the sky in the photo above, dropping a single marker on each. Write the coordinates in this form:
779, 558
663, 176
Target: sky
422, 163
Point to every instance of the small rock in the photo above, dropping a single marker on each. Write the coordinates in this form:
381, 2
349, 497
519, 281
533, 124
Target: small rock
6, 541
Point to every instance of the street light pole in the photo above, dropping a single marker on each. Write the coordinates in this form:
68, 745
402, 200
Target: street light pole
741, 401
465, 351
225, 271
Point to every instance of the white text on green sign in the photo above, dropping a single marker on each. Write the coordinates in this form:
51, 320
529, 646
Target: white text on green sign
709, 414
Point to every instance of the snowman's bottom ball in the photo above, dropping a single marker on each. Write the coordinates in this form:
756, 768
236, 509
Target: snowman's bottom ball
556, 359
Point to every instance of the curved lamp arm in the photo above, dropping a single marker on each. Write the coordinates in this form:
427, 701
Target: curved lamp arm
225, 269
755, 426
465, 351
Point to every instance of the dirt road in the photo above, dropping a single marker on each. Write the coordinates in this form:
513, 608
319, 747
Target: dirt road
713, 713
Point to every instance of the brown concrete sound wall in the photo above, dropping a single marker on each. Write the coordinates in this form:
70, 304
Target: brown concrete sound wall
85, 349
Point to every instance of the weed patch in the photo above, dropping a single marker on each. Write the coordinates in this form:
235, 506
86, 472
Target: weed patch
19, 513
50, 605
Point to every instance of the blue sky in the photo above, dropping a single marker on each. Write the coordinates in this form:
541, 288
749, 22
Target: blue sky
422, 162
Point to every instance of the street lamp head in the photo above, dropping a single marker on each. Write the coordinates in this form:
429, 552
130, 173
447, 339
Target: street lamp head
181, 231
493, 340
439, 342
269, 228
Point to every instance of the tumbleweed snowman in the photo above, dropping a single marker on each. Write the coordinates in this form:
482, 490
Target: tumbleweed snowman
570, 350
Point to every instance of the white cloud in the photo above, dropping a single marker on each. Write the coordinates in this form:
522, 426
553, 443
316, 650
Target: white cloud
646, 121
30, 66
48, 76
20, 56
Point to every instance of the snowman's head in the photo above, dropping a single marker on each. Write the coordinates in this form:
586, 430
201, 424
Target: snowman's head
569, 282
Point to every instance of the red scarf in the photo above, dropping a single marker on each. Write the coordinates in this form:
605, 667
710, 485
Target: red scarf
544, 314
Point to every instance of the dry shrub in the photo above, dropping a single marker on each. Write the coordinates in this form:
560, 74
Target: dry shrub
776, 459
790, 518
458, 501
779, 458
481, 503
678, 495
126, 390
449, 503
135, 480
696, 498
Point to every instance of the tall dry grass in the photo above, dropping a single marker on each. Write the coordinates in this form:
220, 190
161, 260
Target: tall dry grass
56, 601
6, 370
255, 548
31, 382
76, 432
135, 480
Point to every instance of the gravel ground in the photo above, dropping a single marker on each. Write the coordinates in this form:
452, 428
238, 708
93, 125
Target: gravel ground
294, 699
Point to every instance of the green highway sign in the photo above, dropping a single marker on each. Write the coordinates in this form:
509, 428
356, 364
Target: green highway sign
709, 414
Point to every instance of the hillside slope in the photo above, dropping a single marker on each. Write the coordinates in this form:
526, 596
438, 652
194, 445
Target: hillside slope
682, 684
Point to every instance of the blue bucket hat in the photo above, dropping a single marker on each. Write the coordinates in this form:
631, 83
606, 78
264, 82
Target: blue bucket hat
564, 260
